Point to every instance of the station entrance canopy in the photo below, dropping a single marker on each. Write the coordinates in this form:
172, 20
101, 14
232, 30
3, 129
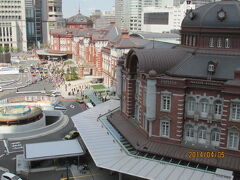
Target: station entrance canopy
107, 152
53, 150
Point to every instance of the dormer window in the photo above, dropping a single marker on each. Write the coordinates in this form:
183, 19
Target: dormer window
211, 68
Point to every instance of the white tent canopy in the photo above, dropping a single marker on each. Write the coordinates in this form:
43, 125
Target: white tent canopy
53, 150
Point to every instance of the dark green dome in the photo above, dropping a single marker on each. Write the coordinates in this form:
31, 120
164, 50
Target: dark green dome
223, 14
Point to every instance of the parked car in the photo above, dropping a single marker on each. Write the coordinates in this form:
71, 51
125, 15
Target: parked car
9, 176
1, 90
71, 135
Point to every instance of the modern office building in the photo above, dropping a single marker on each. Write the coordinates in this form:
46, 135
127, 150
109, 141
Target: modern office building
34, 23
130, 13
105, 19
164, 19
52, 17
13, 24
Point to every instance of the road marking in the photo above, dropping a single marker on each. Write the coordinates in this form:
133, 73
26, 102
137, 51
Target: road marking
6, 146
79, 177
15, 152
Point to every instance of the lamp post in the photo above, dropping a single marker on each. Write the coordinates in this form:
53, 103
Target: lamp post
67, 164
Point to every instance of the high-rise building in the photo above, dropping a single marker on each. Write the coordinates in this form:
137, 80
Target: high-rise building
129, 12
13, 24
105, 19
52, 17
34, 22
164, 19
199, 3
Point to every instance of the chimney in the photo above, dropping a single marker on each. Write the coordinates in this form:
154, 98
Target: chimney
112, 23
237, 74
125, 34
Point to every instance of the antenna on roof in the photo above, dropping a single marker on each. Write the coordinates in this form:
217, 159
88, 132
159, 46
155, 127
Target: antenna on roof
79, 9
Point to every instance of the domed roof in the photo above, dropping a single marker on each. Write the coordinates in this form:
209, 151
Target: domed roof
223, 14
79, 18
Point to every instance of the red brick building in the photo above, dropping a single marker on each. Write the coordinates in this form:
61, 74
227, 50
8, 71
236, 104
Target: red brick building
79, 21
182, 102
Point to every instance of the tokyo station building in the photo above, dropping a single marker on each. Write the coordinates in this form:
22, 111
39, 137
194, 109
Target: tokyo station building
183, 102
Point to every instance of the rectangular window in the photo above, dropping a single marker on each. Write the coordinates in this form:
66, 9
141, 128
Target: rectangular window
202, 134
191, 105
204, 107
194, 40
219, 43
211, 42
235, 112
165, 128
227, 43
165, 102
215, 136
233, 140
218, 109
190, 132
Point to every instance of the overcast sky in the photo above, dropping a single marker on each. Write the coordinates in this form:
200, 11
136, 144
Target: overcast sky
70, 7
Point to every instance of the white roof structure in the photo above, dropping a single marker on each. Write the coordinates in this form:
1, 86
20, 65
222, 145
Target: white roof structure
52, 150
108, 154
43, 52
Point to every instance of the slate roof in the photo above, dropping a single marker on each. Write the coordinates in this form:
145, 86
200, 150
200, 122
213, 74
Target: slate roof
74, 32
143, 144
151, 35
206, 15
159, 59
196, 66
113, 32
79, 18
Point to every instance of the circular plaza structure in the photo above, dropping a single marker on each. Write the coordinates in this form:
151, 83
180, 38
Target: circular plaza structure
15, 119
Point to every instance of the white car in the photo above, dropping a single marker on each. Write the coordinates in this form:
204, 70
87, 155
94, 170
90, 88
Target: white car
9, 176
1, 90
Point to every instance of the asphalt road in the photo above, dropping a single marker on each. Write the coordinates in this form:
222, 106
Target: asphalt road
39, 86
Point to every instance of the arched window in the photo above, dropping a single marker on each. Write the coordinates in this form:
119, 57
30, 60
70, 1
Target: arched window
218, 109
204, 107
189, 132
215, 137
191, 103
202, 135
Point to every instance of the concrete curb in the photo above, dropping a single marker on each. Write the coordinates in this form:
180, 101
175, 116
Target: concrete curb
62, 125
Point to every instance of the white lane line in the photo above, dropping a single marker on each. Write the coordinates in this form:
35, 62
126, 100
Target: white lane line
6, 146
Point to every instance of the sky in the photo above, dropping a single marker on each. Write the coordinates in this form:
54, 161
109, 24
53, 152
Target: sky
71, 7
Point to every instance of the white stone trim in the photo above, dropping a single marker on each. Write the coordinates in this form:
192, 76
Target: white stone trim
181, 95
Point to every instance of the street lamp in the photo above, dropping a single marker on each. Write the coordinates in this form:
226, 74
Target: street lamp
67, 164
